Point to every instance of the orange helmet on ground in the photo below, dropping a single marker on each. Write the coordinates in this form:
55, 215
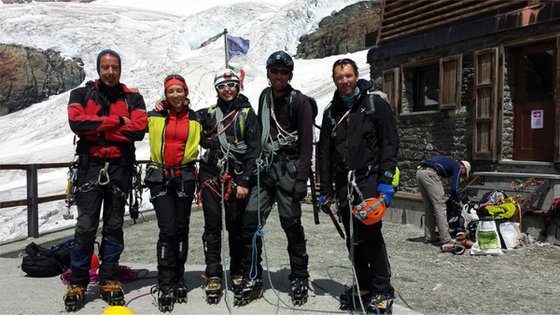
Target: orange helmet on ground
371, 210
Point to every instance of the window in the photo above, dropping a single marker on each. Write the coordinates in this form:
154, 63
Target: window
434, 85
425, 87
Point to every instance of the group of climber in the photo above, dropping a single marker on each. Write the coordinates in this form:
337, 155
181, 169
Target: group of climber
251, 160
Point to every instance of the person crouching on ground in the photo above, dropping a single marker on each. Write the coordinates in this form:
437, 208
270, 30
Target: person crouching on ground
428, 177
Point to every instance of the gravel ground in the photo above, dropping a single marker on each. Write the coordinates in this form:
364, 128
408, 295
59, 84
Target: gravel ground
522, 281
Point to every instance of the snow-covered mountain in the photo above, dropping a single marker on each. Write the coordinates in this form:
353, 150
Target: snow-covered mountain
154, 39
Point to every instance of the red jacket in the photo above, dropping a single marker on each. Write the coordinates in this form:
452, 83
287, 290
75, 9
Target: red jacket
97, 120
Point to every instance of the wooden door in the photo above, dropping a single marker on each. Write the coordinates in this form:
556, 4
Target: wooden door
533, 104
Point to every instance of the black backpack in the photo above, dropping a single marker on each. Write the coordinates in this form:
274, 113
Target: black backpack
47, 262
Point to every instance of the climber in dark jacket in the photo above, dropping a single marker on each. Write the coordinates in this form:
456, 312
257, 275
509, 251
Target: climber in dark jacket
286, 117
108, 118
231, 139
358, 148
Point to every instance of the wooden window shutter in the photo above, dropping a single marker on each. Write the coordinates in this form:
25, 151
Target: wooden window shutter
557, 102
392, 87
450, 78
486, 103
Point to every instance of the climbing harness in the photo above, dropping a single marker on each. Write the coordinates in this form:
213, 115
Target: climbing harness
215, 185
103, 179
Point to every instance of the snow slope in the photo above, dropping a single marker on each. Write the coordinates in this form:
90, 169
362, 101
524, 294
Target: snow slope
154, 39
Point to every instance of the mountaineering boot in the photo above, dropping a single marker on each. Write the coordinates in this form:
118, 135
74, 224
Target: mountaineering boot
111, 291
298, 291
165, 299
74, 297
213, 290
248, 291
236, 281
381, 304
350, 300
180, 292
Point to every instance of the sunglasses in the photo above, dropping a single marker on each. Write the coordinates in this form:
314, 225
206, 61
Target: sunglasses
174, 76
344, 61
281, 71
230, 85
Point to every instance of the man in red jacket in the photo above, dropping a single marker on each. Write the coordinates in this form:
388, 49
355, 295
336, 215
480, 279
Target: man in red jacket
107, 117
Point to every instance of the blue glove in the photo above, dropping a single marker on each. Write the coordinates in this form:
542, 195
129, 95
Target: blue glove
386, 190
321, 199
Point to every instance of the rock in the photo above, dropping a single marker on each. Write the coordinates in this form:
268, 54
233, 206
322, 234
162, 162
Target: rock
29, 76
343, 32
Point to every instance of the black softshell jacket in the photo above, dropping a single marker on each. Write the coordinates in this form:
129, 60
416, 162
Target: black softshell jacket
362, 140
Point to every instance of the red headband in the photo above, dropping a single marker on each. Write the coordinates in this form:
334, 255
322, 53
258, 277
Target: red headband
175, 81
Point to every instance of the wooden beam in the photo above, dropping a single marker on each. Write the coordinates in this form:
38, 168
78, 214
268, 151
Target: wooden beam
421, 22
455, 12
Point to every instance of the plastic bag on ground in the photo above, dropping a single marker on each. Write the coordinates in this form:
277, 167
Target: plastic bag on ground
487, 239
511, 234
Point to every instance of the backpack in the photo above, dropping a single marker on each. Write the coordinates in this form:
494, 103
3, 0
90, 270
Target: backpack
47, 262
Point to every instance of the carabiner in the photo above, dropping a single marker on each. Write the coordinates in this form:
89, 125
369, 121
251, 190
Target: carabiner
103, 178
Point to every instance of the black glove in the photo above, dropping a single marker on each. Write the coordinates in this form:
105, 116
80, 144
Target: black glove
300, 190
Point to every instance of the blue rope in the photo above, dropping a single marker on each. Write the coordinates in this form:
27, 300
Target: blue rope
254, 256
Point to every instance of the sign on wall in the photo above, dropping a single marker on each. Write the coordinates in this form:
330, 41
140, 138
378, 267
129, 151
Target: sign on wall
537, 119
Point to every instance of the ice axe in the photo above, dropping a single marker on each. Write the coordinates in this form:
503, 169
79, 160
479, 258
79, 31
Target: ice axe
325, 207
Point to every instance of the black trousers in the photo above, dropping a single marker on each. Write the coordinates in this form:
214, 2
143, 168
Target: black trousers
366, 243
172, 202
89, 200
212, 237
275, 186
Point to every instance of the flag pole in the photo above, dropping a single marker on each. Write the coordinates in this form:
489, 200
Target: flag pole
225, 46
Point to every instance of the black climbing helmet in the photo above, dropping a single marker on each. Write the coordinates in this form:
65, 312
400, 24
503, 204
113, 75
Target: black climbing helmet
280, 59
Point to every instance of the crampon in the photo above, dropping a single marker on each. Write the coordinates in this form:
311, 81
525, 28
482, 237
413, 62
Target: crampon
111, 291
74, 297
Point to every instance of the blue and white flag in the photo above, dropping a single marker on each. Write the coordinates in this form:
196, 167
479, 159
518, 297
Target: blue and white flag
236, 46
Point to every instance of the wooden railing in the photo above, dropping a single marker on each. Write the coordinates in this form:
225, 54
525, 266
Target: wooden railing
33, 200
